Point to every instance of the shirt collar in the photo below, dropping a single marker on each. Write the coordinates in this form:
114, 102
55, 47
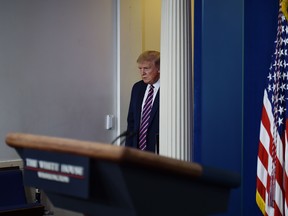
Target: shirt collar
157, 85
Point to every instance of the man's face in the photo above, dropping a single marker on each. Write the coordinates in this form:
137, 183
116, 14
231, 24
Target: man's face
149, 72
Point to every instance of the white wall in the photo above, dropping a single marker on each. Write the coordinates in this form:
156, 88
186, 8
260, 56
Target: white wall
57, 68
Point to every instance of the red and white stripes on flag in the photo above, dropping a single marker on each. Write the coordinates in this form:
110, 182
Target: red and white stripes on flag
265, 166
272, 163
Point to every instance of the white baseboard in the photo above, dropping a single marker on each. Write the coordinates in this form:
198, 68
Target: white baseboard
11, 163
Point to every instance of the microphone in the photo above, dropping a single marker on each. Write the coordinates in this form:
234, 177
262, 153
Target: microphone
125, 134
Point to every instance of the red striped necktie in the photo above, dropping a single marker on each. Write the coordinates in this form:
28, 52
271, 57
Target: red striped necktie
145, 119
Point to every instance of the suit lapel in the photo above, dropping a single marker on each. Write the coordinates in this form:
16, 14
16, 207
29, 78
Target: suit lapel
155, 107
139, 103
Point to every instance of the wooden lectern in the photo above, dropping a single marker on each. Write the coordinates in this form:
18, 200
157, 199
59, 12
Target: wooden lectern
102, 179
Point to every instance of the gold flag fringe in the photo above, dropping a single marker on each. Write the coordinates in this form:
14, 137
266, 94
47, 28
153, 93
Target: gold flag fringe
284, 8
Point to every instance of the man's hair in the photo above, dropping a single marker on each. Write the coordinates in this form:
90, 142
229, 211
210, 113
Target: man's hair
150, 56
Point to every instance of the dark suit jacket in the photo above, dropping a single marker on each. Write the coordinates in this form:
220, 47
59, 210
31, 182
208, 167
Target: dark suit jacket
134, 118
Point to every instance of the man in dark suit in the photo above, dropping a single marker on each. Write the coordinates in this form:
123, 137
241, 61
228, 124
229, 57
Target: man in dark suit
143, 115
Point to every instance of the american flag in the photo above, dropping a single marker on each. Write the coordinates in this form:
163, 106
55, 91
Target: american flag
272, 164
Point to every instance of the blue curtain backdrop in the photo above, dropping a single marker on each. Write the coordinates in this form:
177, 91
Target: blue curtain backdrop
233, 47
218, 83
260, 34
